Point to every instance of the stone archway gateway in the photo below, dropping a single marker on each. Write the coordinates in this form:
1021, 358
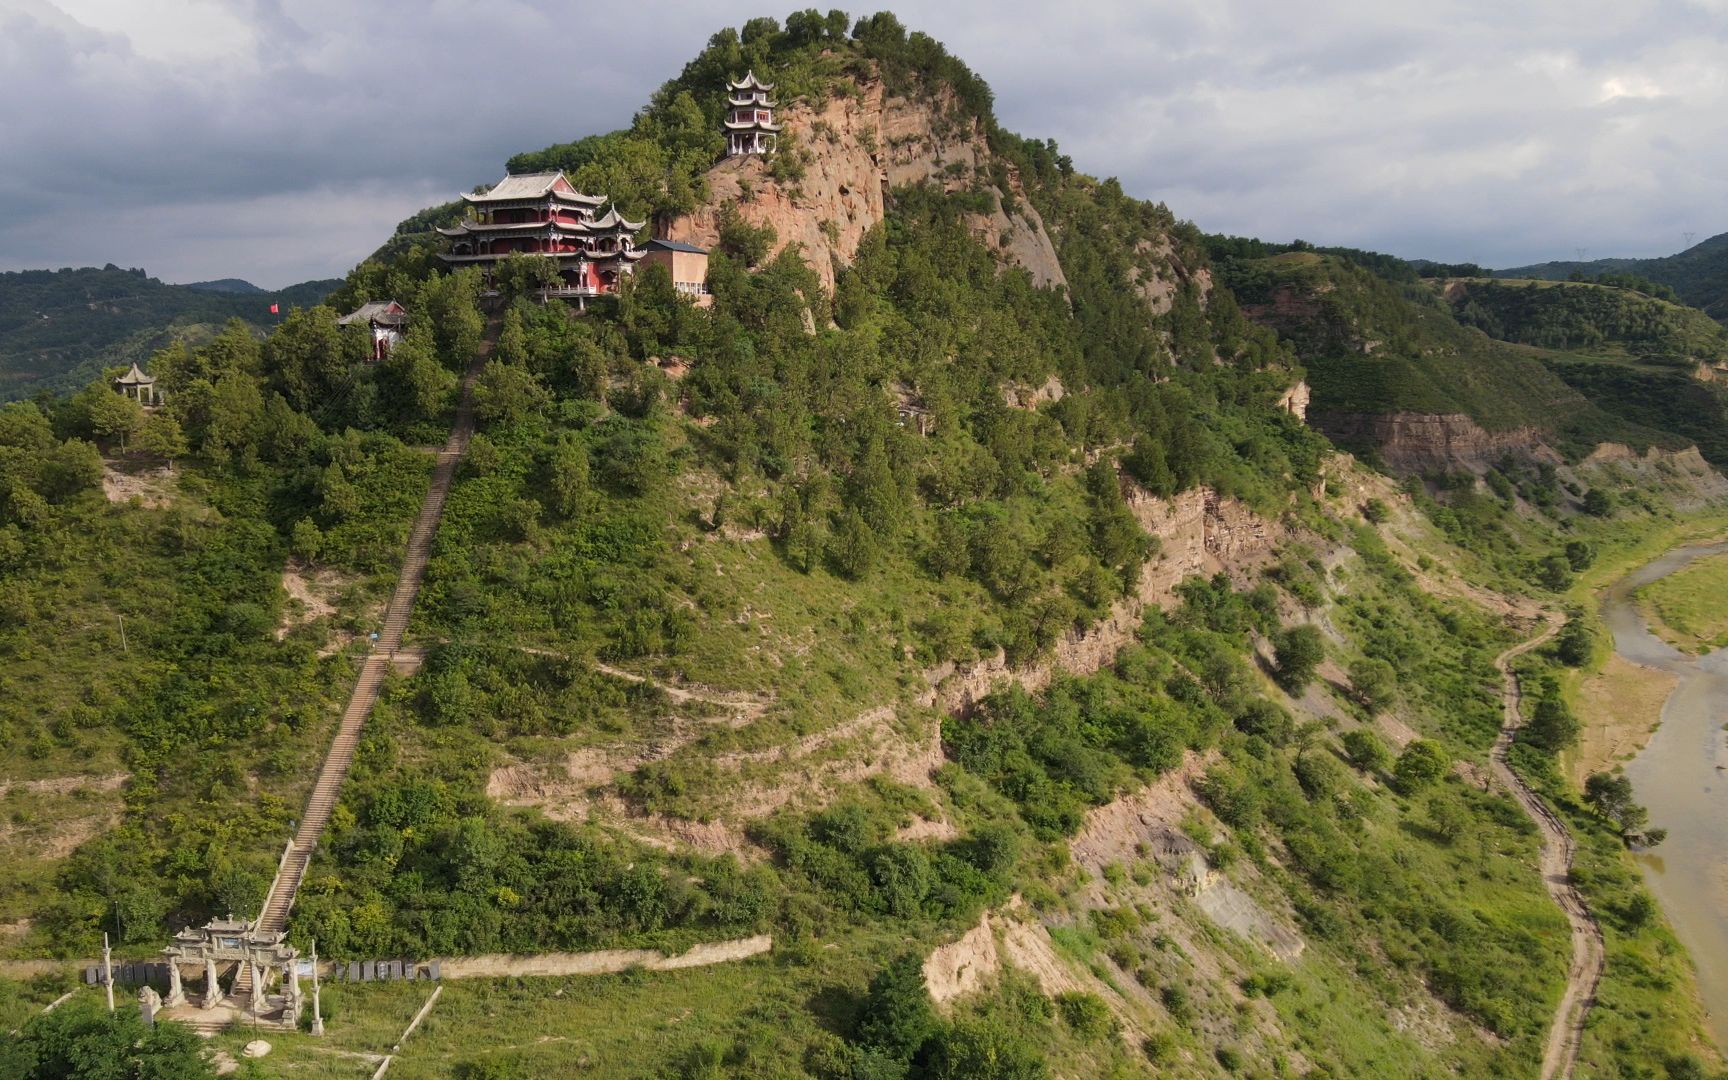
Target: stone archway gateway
252, 960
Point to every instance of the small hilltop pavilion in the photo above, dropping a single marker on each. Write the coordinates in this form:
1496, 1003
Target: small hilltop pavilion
385, 318
137, 385
750, 126
543, 215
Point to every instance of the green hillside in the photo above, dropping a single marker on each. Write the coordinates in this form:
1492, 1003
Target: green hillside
1375, 339
61, 328
1698, 275
1156, 728
1579, 316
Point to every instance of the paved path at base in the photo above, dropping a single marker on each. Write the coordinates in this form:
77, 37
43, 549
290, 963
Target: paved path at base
1560, 1052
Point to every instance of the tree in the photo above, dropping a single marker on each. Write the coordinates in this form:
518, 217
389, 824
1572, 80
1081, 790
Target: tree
567, 478
114, 416
1552, 725
506, 394
741, 240
855, 548
236, 406
1421, 763
1610, 795
1366, 750
525, 275
1598, 503
897, 1015
1297, 653
1575, 645
162, 437
984, 1048
1375, 683
83, 1041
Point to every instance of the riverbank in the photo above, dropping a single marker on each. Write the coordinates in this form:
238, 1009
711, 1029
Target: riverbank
1619, 703
1618, 708
1689, 608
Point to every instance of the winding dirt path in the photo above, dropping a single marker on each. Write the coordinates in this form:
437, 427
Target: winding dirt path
1560, 1053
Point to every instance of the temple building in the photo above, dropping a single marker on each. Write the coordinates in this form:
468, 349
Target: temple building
750, 126
542, 214
385, 318
687, 265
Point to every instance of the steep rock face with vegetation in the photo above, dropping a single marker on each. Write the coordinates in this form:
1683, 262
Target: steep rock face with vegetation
832, 180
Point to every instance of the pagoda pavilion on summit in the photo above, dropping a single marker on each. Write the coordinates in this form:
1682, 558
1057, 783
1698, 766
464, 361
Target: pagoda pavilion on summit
750, 126
542, 214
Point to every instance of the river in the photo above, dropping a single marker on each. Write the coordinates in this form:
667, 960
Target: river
1680, 776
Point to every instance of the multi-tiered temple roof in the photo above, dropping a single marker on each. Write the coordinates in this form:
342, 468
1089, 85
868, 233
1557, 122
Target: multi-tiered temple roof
750, 126
542, 214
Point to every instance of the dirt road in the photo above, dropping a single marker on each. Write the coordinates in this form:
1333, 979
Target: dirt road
1560, 1053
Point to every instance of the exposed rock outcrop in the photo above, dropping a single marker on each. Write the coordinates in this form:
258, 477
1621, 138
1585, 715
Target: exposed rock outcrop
860, 147
1295, 400
1433, 442
1198, 533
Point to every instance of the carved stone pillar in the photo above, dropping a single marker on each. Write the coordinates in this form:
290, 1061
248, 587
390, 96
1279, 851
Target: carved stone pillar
212, 988
148, 1003
176, 989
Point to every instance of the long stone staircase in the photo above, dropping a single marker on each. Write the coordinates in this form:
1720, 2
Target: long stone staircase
328, 787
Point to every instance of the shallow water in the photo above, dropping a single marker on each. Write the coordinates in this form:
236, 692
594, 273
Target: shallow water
1680, 775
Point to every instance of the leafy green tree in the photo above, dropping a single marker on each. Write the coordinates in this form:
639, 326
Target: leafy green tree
114, 416
162, 437
1375, 683
235, 409
897, 1015
855, 548
1610, 795
507, 394
1421, 764
1575, 646
739, 239
83, 1041
1297, 655
1366, 750
567, 478
1580, 555
1552, 725
1598, 503
519, 275
984, 1048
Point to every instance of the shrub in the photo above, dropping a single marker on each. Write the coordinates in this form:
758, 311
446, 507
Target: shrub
1421, 763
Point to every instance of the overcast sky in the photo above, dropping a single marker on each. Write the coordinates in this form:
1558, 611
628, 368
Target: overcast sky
280, 140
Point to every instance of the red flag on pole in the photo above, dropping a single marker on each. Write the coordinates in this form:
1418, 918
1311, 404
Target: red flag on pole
275, 309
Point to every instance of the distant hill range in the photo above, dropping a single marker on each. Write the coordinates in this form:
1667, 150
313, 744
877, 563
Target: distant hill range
60, 328
1698, 275
226, 285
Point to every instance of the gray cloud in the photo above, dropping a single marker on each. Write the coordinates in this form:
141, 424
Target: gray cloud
281, 139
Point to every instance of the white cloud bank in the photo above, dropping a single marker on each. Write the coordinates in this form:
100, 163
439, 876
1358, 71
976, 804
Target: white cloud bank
279, 140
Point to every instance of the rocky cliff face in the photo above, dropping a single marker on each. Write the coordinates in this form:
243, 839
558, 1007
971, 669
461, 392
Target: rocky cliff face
860, 147
1423, 443
1198, 533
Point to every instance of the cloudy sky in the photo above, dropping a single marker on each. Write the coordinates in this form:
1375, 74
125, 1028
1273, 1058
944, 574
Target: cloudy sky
280, 140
